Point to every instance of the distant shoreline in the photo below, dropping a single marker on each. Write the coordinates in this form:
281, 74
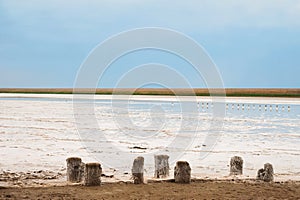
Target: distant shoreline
231, 92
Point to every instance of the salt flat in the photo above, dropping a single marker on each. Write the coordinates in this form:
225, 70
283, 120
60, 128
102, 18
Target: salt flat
39, 131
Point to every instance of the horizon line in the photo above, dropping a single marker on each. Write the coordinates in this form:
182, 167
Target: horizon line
238, 92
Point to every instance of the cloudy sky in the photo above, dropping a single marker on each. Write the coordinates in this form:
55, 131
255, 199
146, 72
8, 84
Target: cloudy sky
253, 43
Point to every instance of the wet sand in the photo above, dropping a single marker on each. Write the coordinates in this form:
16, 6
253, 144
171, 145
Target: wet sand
162, 190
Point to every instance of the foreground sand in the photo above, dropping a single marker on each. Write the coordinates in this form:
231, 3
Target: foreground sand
162, 190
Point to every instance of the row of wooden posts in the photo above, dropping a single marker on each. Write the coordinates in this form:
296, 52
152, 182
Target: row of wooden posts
233, 106
90, 173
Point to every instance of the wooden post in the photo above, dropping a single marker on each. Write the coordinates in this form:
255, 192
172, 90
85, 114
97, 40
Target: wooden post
182, 172
92, 174
266, 174
138, 170
161, 166
236, 165
75, 169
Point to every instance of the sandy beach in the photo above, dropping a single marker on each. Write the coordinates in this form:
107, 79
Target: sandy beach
163, 190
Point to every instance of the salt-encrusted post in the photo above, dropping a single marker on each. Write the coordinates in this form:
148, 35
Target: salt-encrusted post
161, 166
75, 169
236, 165
92, 174
138, 170
266, 174
182, 172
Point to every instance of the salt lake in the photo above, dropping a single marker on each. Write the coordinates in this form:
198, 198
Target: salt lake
39, 131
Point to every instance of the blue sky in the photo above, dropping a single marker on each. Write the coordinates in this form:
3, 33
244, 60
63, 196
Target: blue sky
253, 43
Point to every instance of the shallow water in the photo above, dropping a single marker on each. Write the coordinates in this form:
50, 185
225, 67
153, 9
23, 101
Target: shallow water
40, 132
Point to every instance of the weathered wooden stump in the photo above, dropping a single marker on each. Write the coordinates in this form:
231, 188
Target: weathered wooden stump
92, 174
138, 170
236, 165
266, 174
182, 172
161, 166
75, 169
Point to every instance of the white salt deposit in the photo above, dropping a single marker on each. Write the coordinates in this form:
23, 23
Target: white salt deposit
38, 132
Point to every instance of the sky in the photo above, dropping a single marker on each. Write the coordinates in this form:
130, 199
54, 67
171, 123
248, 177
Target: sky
254, 44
